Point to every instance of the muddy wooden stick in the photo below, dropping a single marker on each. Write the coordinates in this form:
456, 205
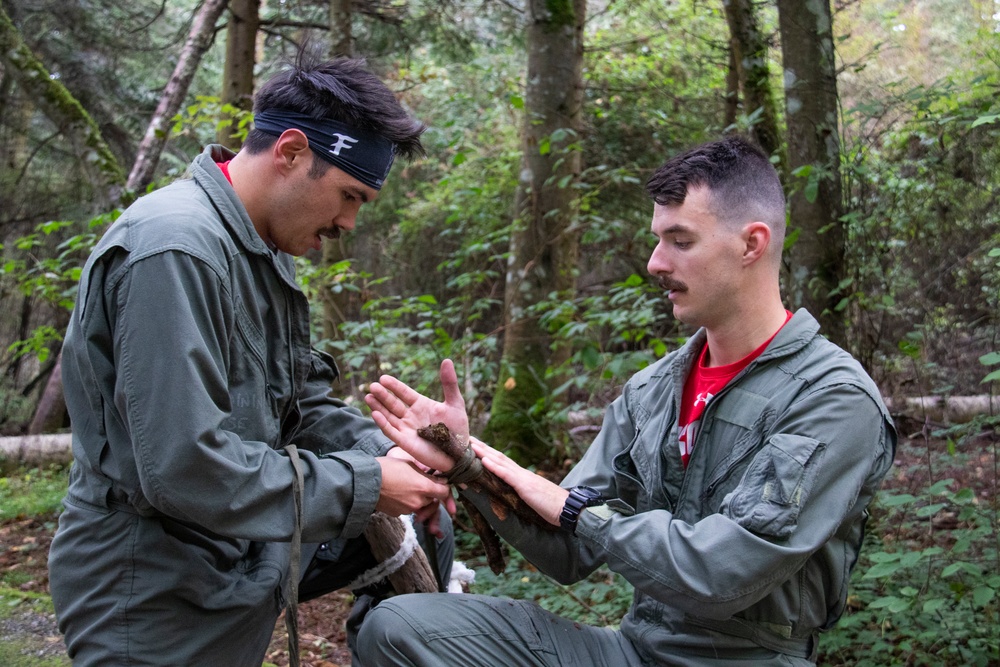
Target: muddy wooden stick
503, 499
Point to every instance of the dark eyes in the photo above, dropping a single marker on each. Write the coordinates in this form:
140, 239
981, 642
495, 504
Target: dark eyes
675, 241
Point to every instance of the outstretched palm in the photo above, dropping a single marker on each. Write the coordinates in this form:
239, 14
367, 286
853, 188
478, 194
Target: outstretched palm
399, 411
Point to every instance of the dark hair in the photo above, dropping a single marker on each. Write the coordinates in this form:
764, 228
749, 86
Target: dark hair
341, 89
743, 184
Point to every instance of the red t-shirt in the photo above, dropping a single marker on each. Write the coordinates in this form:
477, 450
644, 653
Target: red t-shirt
702, 384
224, 166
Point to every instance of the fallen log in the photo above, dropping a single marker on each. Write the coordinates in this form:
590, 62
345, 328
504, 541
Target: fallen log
37, 449
944, 409
385, 534
57, 447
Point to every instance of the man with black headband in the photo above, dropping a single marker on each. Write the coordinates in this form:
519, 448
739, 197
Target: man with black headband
366, 156
214, 475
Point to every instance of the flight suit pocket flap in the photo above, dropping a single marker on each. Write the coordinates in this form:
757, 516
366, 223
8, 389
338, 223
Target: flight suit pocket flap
776, 484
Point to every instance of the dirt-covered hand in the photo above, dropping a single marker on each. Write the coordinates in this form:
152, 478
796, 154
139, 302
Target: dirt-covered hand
406, 489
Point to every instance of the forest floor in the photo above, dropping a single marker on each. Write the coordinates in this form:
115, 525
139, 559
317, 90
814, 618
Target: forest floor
31, 626
24, 548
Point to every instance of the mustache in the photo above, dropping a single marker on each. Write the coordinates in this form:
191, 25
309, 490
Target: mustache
669, 284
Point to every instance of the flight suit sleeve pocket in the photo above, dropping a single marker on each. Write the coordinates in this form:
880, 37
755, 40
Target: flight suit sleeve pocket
775, 486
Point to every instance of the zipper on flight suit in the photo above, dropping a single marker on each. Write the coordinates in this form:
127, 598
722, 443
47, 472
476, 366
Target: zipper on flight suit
286, 430
710, 409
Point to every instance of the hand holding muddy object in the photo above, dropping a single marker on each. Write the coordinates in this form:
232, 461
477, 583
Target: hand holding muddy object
469, 471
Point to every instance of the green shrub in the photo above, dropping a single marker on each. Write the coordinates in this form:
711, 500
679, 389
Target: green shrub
925, 588
32, 492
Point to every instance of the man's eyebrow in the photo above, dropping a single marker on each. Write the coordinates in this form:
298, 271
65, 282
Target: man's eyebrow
359, 193
675, 229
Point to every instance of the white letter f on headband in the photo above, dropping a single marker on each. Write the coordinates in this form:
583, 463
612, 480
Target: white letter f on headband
341, 142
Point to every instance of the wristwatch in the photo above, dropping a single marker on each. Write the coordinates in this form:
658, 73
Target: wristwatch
579, 497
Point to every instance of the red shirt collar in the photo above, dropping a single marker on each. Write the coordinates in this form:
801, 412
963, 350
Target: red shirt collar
224, 166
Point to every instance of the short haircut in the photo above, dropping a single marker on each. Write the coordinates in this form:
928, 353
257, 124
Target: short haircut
342, 89
743, 184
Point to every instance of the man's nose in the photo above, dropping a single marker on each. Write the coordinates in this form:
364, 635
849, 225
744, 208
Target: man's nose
347, 220
658, 263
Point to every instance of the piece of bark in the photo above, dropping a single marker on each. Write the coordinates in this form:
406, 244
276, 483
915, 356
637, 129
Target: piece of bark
385, 534
495, 557
502, 496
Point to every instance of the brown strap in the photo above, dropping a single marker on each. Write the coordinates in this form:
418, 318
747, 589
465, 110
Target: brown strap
467, 469
292, 610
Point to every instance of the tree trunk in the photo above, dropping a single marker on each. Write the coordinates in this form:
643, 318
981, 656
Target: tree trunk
817, 256
53, 403
749, 49
237, 75
732, 101
51, 413
17, 114
199, 39
338, 306
52, 98
23, 331
341, 37
72, 119
544, 244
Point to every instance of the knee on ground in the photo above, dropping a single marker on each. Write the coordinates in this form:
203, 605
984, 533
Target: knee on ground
387, 637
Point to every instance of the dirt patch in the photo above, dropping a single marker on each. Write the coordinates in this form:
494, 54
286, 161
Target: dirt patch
24, 549
322, 641
36, 633
24, 554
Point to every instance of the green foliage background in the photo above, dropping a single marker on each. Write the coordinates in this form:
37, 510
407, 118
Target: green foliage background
919, 85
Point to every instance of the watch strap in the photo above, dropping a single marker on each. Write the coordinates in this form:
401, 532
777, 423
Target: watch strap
579, 498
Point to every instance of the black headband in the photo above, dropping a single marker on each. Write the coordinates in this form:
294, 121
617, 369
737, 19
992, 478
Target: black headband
366, 156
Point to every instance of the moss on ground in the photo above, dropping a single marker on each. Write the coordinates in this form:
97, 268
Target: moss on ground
28, 633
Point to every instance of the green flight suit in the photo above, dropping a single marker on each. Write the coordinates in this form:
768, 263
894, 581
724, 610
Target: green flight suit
187, 368
742, 558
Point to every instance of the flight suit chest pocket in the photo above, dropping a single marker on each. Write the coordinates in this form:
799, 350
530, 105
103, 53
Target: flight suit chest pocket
250, 335
742, 419
627, 476
254, 409
775, 486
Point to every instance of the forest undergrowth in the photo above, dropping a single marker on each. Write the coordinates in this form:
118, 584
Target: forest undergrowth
923, 593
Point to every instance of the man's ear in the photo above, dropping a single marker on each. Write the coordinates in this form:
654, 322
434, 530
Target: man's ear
290, 147
756, 239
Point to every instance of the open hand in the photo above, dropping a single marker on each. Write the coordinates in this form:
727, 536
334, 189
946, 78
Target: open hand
540, 494
399, 411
